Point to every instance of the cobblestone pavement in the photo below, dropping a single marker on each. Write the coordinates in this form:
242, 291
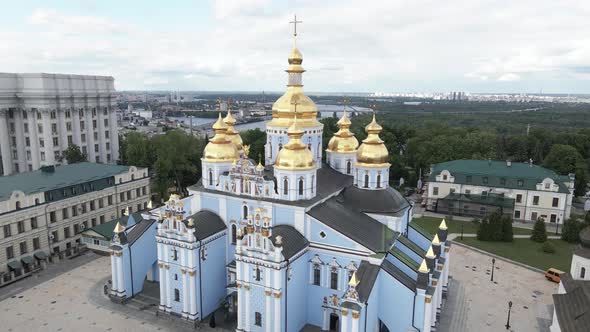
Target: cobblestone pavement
475, 303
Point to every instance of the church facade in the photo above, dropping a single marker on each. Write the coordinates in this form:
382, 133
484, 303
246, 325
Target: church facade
292, 243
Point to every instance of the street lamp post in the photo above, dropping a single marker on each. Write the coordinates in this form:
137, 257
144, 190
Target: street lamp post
557, 227
493, 263
461, 230
509, 309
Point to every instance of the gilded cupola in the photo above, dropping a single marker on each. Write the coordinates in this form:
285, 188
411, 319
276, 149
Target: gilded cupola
372, 152
283, 111
295, 155
232, 134
343, 140
220, 149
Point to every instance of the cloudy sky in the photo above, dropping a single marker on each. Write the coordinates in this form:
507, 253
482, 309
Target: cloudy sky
348, 45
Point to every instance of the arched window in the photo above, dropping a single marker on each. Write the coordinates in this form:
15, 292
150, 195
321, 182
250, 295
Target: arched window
233, 233
583, 273
301, 186
366, 180
210, 177
378, 180
18, 205
280, 146
285, 186
270, 150
245, 212
312, 183
132, 177
319, 150
348, 167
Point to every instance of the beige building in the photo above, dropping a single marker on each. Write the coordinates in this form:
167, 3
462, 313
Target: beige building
43, 212
42, 114
478, 187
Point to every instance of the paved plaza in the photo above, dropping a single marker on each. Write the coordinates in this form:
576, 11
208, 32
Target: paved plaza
477, 304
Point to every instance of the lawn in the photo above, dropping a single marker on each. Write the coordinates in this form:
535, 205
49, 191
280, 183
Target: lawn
431, 224
528, 252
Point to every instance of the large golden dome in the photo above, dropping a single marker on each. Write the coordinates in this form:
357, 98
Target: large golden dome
372, 153
343, 140
295, 155
283, 110
232, 134
220, 149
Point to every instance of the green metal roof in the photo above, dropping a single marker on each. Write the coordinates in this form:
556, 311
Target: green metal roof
498, 174
106, 229
489, 199
63, 176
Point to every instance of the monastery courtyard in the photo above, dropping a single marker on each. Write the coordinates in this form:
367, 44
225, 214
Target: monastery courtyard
73, 301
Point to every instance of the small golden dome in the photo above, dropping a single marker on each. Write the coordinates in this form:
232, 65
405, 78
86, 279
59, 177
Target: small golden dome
295, 155
259, 167
343, 140
220, 148
372, 153
295, 58
232, 134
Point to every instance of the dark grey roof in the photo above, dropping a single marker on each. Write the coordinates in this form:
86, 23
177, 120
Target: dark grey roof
207, 223
386, 201
366, 274
582, 251
329, 181
354, 224
573, 307
136, 231
398, 274
293, 241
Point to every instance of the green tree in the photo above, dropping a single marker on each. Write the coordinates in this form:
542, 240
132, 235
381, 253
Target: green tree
256, 138
571, 229
565, 159
507, 232
539, 233
137, 150
74, 155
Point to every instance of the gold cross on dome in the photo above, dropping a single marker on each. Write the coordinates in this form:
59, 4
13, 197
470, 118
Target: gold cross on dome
294, 22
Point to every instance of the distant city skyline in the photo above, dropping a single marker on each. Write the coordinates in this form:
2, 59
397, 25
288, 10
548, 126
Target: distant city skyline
349, 45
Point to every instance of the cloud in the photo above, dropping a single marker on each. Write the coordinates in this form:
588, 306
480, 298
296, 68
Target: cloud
385, 45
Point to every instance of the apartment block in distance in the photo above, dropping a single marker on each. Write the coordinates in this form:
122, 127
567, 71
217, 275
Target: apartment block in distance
43, 212
42, 114
477, 187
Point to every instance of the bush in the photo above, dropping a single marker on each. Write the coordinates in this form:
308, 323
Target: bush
495, 227
548, 247
507, 234
539, 233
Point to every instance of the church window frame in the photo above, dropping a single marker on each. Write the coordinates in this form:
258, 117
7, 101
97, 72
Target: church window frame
366, 180
258, 319
583, 273
379, 180
285, 186
176, 295
210, 177
301, 191
234, 235
258, 274
317, 275
348, 167
245, 211
334, 275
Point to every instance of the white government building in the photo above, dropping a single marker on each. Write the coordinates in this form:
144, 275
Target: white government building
477, 187
42, 114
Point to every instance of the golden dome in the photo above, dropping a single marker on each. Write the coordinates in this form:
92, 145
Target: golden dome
372, 153
232, 134
220, 149
283, 109
343, 140
295, 155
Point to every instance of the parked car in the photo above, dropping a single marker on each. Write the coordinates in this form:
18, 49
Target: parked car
554, 275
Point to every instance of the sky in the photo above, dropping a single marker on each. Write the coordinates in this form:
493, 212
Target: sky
348, 45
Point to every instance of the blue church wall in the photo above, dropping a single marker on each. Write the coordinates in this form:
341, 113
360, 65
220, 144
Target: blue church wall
210, 203
316, 294
257, 299
415, 257
419, 311
404, 219
297, 295
395, 303
145, 254
283, 216
370, 314
332, 237
418, 238
175, 276
213, 276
